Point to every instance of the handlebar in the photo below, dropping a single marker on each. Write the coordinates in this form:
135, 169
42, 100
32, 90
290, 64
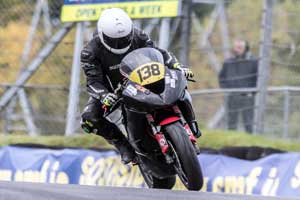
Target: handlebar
188, 79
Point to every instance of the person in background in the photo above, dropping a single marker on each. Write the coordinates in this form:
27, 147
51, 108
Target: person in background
239, 71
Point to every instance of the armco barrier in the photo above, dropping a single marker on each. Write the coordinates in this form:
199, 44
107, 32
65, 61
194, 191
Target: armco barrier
277, 175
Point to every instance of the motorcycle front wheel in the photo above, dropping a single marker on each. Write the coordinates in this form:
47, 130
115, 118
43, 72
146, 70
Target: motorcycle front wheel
186, 161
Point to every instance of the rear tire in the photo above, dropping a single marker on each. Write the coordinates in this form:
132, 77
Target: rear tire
153, 182
186, 155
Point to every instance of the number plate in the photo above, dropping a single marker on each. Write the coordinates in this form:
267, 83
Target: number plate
148, 73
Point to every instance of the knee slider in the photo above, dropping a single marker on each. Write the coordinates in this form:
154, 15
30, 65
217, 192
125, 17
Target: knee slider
100, 126
87, 126
88, 123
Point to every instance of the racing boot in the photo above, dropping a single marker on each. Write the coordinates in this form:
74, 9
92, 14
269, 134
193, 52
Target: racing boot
187, 110
123, 146
113, 135
194, 128
185, 105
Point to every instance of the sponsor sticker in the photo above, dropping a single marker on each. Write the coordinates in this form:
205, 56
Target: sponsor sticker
131, 90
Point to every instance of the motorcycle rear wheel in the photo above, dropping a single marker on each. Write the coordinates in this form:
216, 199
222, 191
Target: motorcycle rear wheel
153, 182
189, 169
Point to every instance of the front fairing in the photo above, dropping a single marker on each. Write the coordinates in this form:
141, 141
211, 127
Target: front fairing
143, 66
141, 99
175, 84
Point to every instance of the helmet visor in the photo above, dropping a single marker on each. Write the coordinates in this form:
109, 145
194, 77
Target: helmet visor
118, 43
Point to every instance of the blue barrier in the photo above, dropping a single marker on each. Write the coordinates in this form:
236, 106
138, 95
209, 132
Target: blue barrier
277, 175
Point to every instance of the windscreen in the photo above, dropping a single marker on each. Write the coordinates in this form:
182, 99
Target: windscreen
143, 66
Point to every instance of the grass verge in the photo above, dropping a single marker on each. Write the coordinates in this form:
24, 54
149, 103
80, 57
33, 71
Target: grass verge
211, 139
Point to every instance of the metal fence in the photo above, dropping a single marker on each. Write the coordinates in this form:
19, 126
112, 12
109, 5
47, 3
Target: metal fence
272, 31
27, 31
30, 29
282, 110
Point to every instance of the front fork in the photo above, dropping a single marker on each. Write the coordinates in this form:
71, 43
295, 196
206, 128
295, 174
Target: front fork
186, 126
160, 137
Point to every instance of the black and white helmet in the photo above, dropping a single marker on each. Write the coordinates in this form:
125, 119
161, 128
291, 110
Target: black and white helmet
115, 29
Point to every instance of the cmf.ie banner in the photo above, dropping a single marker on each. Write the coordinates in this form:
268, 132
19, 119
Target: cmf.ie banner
275, 175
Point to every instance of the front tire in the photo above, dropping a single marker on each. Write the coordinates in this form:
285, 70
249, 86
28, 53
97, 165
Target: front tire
186, 155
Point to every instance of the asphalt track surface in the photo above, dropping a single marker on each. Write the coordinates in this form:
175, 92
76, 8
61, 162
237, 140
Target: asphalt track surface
34, 191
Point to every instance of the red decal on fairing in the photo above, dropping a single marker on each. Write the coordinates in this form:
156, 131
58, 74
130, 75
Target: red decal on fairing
141, 88
169, 120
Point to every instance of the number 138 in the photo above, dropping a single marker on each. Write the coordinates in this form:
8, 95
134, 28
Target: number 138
147, 71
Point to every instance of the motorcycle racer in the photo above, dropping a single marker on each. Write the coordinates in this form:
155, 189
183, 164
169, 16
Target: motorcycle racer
114, 37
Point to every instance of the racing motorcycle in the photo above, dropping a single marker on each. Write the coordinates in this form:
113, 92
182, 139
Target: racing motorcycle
164, 143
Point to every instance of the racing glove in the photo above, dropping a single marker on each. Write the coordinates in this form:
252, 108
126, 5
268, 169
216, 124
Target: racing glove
188, 73
109, 99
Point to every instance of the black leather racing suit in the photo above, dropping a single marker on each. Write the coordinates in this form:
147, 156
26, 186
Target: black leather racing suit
101, 68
